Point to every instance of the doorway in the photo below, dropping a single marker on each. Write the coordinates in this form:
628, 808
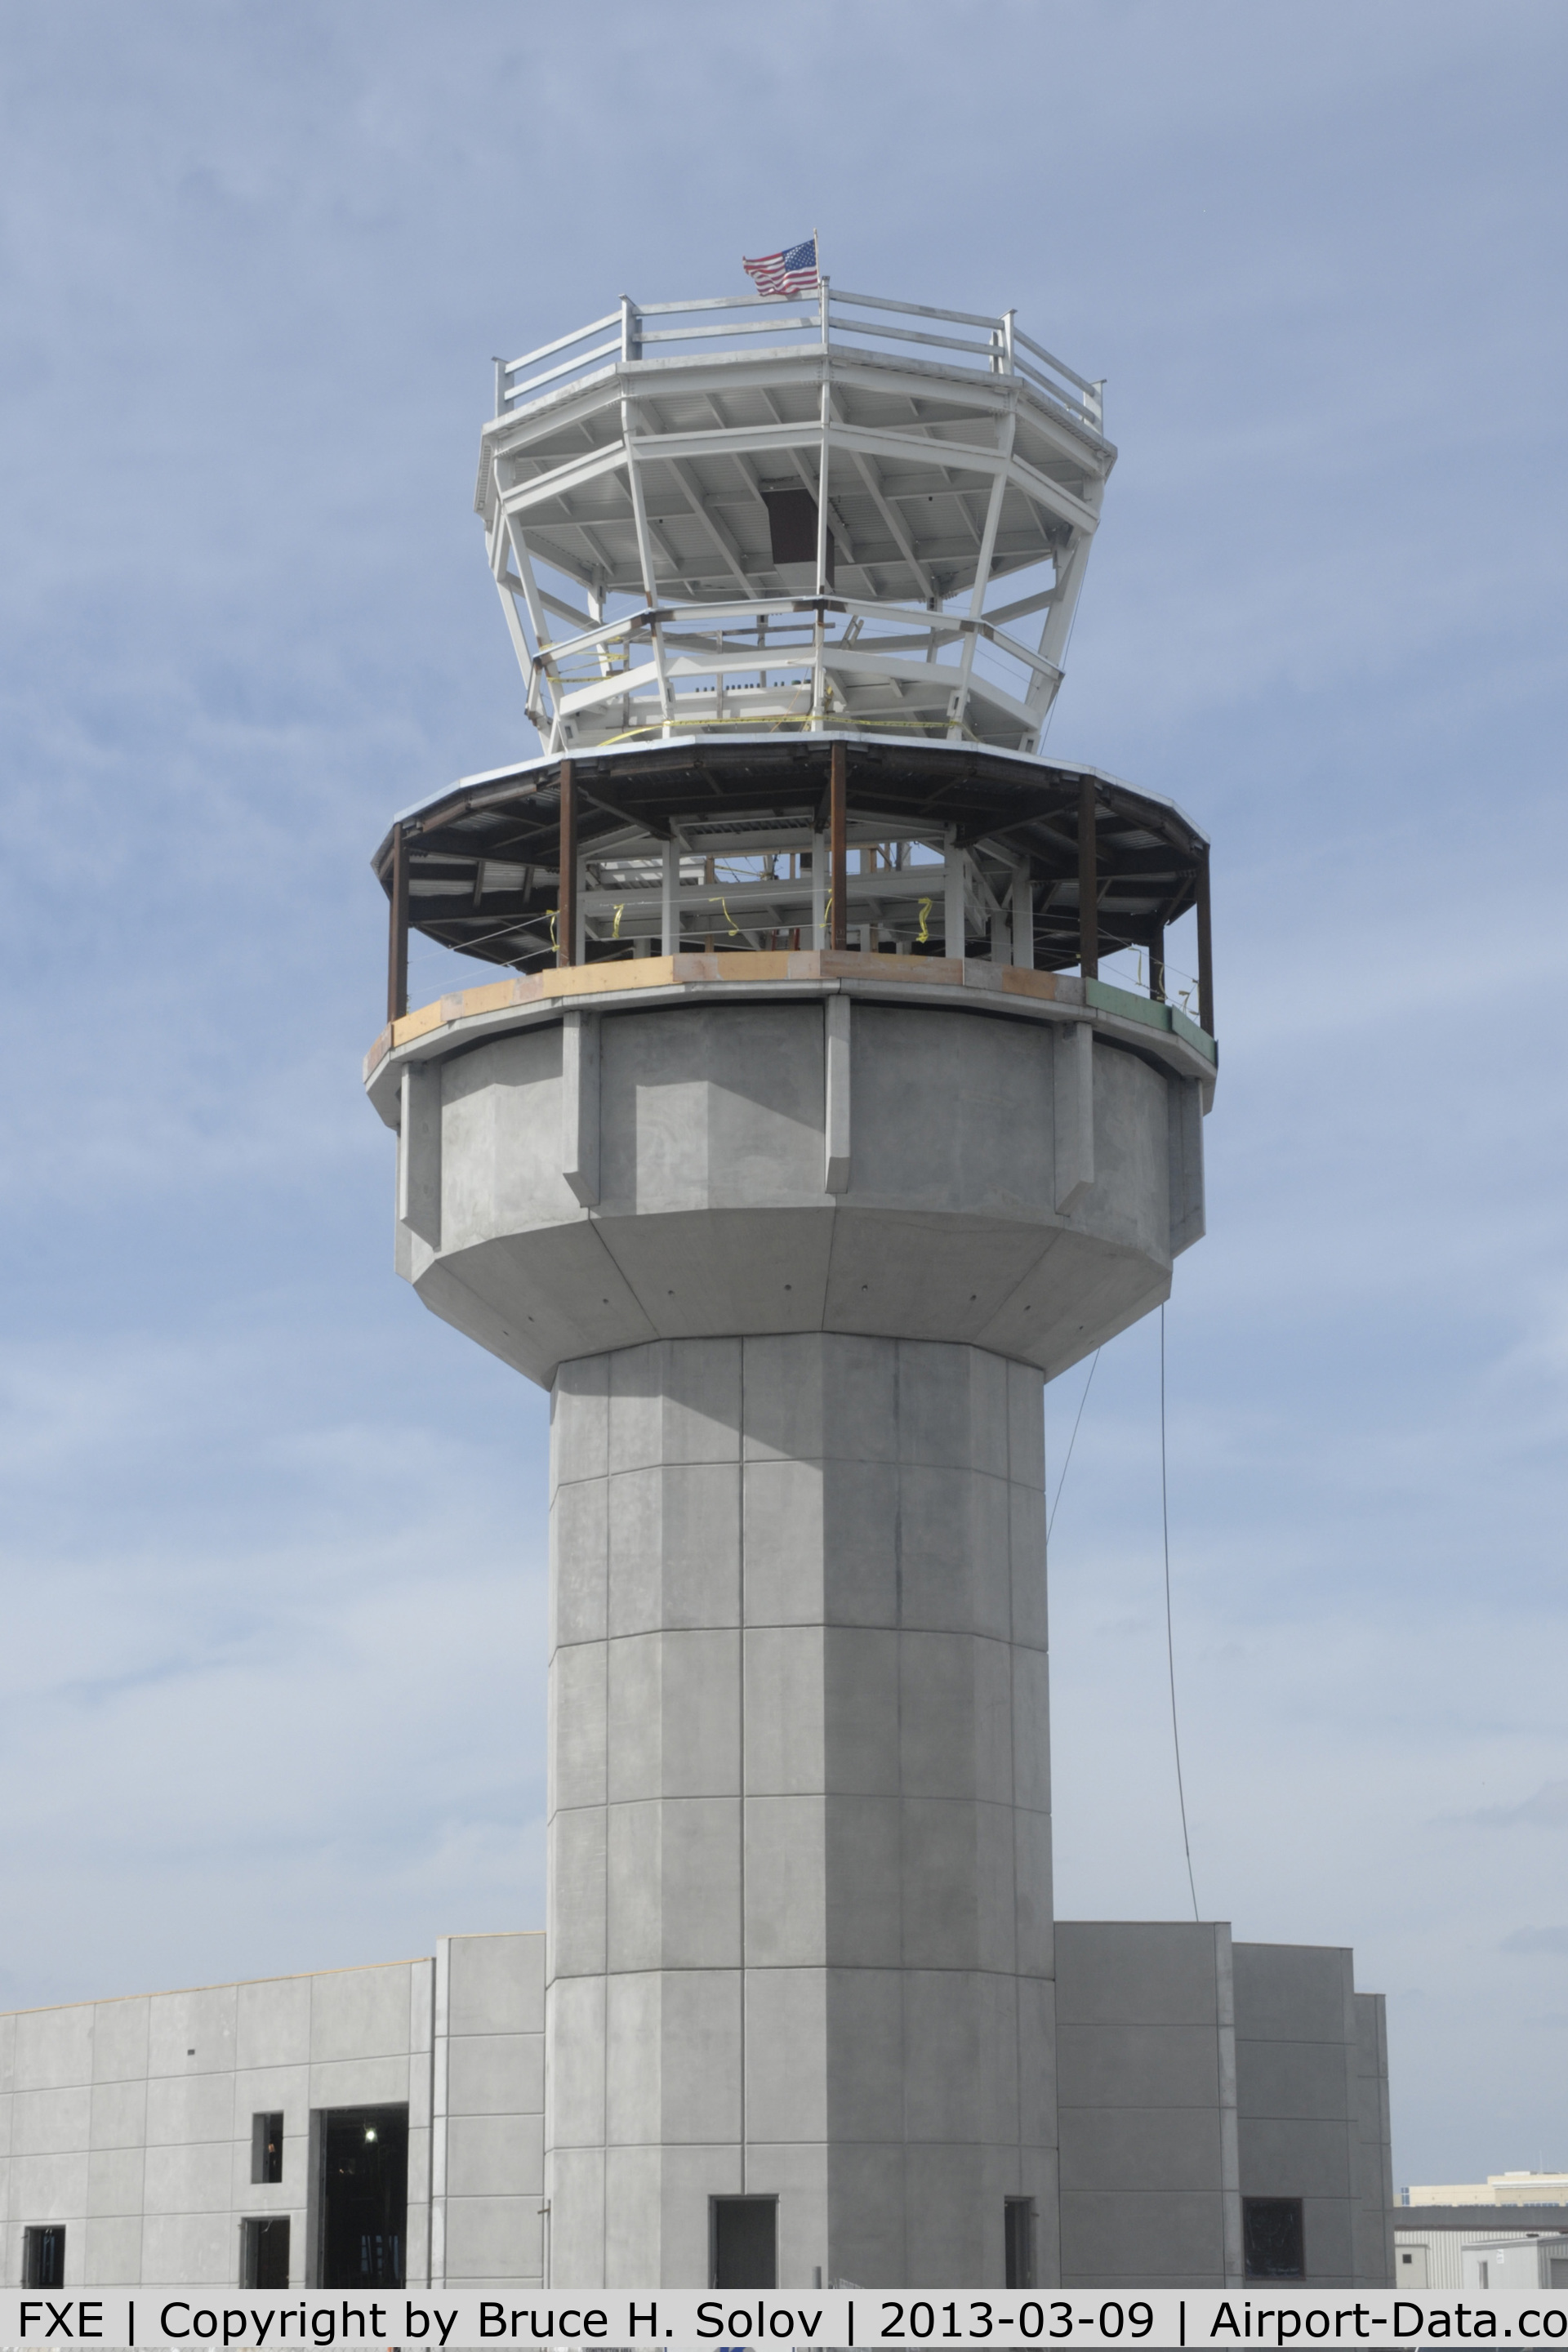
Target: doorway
362, 2185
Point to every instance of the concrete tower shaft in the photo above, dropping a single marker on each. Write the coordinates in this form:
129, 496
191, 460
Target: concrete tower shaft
800, 1826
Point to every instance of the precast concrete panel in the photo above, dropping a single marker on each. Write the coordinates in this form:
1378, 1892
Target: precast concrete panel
489, 2224
799, 1812
1375, 2227
1147, 2105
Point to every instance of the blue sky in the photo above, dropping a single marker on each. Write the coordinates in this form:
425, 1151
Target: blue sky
271, 1692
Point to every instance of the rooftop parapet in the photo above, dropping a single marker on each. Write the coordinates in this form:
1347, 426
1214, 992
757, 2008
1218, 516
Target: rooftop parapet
835, 513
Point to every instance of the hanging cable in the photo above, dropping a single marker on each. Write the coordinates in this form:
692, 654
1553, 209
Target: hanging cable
1170, 1637
1072, 1441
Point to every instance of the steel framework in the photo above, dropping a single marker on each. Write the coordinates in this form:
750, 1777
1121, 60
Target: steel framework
757, 516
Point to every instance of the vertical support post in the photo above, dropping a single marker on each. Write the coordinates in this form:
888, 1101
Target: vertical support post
1023, 912
819, 639
836, 1116
1206, 949
500, 387
954, 911
960, 701
819, 891
631, 328
669, 909
566, 908
645, 552
419, 1152
398, 930
1088, 883
580, 1105
1157, 965
838, 855
1072, 1078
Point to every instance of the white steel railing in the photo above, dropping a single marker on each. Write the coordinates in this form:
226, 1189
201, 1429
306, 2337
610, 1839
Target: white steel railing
828, 318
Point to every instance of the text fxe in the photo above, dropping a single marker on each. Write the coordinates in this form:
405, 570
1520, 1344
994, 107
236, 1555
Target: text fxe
669, 2320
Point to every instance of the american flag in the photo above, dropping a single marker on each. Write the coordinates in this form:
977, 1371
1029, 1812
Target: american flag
792, 271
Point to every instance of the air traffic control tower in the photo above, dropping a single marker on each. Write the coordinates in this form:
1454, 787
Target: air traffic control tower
797, 1143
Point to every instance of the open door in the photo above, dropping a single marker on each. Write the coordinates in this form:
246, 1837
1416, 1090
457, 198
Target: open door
363, 2188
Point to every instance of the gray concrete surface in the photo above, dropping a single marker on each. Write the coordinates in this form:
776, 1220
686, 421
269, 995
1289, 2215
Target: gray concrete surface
1312, 2094
487, 2223
799, 1814
1194, 2074
1147, 2105
577, 1185
129, 2120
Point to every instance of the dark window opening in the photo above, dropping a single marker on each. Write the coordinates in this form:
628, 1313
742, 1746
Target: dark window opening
745, 2231
266, 2147
792, 529
44, 2255
363, 2196
1271, 2237
1018, 2227
264, 2251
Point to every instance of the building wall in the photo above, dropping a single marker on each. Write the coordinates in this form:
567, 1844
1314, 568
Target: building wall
1524, 2265
129, 2121
487, 2221
1146, 2112
1305, 2065
1434, 2257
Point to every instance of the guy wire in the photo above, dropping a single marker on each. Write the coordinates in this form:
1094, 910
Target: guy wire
1170, 1637
1072, 1441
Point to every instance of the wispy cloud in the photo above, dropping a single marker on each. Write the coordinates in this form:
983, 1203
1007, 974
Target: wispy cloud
1546, 1810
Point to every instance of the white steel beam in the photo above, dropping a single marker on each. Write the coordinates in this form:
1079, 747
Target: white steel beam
982, 571
645, 543
563, 479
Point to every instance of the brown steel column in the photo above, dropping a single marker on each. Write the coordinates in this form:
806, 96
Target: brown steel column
1088, 885
837, 851
1206, 949
398, 930
566, 911
1157, 965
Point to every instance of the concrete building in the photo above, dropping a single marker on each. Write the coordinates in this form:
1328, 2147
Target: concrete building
369, 2125
361, 2126
1497, 2189
802, 1141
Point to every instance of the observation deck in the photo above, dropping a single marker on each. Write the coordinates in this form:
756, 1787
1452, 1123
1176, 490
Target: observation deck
835, 513
769, 845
